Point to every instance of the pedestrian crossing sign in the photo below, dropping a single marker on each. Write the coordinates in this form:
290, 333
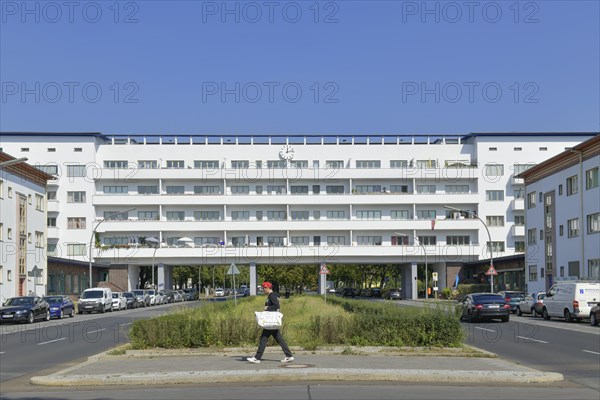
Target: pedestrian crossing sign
324, 269
491, 271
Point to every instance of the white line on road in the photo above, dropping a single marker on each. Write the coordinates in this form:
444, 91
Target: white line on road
129, 323
52, 341
587, 351
2, 352
525, 338
484, 329
97, 330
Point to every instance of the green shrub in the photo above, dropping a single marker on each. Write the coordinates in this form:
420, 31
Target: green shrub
464, 290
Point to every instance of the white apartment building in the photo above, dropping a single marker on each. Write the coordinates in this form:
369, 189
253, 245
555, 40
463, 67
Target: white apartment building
563, 217
267, 199
22, 228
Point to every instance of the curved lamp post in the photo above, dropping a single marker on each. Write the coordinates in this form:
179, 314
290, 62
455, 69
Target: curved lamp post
94, 233
156, 244
415, 238
489, 242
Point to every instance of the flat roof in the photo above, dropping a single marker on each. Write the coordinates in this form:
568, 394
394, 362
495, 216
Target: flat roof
72, 134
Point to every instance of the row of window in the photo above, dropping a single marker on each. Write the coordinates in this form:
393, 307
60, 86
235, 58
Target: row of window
573, 270
39, 199
572, 186
39, 236
573, 228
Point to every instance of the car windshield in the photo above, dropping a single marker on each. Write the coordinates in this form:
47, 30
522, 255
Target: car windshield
514, 295
128, 295
19, 301
92, 294
54, 300
488, 298
138, 292
115, 295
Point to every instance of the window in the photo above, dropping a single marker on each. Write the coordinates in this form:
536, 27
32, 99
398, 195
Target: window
175, 164
573, 227
533, 273
39, 202
276, 241
517, 148
29, 237
147, 164
115, 189
51, 149
368, 240
561, 230
519, 246
497, 247
175, 215
51, 195
494, 169
49, 169
259, 189
300, 215
572, 185
9, 192
316, 189
300, 240
399, 164
494, 195
207, 190
336, 240
543, 149
117, 240
299, 189
519, 220
39, 239
560, 189
398, 188
493, 149
368, 164
531, 200
240, 164
206, 240
456, 189
368, 214
207, 215
425, 214
240, 189
574, 268
175, 189
116, 215
298, 164
541, 235
206, 164
399, 240
400, 214
76, 223
77, 149
259, 215
276, 189
316, 214
9, 233
25, 149
591, 178
276, 215
276, 164
336, 214
1, 231
50, 221
594, 268
518, 168
147, 189
9, 275
148, 215
76, 250
368, 189
541, 197
495, 220
240, 215
531, 236
116, 164
1, 274
334, 189
458, 240
334, 164
1, 188
562, 270
427, 240
426, 189
426, 164
593, 223
75, 197
258, 164
76, 171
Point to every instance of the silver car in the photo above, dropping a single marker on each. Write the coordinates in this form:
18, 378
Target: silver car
531, 304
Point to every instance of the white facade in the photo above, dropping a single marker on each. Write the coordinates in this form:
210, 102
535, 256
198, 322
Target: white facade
22, 232
562, 217
333, 199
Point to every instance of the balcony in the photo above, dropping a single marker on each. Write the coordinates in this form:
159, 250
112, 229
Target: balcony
53, 206
53, 232
518, 230
518, 181
517, 205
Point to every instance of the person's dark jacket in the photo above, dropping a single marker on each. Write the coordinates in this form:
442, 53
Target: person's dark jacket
272, 303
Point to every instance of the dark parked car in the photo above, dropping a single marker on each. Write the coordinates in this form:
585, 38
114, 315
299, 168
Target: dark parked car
513, 299
132, 301
375, 292
60, 306
364, 293
485, 306
24, 309
394, 294
349, 292
595, 315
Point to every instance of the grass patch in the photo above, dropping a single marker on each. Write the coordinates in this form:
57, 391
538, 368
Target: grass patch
308, 322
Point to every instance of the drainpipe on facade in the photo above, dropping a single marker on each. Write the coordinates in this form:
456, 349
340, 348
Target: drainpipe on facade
581, 214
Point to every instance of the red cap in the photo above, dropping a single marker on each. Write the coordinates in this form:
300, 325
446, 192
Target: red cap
267, 285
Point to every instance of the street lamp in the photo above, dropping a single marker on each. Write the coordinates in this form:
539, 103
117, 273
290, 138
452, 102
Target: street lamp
156, 243
13, 161
489, 242
425, 252
94, 233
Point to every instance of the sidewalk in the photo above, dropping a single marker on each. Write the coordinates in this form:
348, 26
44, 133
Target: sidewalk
163, 367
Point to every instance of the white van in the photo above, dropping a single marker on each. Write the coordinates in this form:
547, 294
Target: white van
571, 300
95, 299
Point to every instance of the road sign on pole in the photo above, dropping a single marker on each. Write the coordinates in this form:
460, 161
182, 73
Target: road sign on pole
233, 270
434, 275
323, 269
491, 271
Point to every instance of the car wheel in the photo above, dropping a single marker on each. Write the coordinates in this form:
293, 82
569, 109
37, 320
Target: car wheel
505, 319
568, 316
103, 309
47, 315
519, 312
79, 312
30, 318
533, 313
61, 314
593, 319
72, 313
545, 314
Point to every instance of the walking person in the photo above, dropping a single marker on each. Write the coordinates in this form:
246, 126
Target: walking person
272, 304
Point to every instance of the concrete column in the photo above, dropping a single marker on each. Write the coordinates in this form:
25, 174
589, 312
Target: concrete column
253, 279
133, 277
161, 278
409, 282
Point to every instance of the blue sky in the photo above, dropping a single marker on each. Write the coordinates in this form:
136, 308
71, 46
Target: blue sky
300, 67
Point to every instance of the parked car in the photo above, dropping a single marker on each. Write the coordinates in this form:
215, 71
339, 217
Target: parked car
142, 297
190, 294
513, 299
219, 292
131, 300
24, 309
177, 296
365, 292
571, 300
531, 304
181, 294
394, 294
595, 315
349, 292
119, 302
375, 292
60, 306
477, 306
152, 296
169, 296
95, 299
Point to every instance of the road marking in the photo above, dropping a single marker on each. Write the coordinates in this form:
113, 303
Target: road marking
587, 351
129, 323
52, 341
484, 329
98, 330
533, 340
2, 352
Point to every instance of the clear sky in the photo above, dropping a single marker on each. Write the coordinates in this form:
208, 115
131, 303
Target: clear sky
279, 67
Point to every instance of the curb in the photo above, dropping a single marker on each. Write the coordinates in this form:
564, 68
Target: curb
293, 375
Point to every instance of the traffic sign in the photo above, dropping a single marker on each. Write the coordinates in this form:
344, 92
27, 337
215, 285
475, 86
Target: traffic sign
233, 270
324, 269
434, 276
491, 271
